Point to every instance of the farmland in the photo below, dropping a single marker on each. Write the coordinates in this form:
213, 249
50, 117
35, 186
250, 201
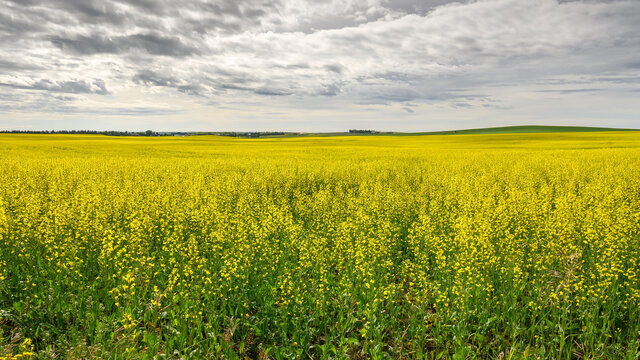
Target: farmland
461, 246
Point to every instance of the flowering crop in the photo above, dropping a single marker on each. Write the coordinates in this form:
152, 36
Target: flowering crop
488, 246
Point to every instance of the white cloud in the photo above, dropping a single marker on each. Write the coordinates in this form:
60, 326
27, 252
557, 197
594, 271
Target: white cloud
446, 58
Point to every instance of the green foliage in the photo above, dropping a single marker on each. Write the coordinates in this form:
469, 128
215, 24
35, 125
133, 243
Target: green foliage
442, 247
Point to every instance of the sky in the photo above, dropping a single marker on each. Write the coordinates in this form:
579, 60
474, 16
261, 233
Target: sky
322, 65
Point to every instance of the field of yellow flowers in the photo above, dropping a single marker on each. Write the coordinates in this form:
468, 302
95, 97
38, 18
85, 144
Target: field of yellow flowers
430, 247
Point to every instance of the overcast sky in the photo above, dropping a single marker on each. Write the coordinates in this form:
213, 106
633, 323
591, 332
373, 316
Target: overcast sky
321, 65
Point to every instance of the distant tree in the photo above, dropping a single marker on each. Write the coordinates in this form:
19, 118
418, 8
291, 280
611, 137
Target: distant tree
359, 131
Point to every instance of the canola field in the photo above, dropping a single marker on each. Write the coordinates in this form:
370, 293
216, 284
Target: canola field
510, 246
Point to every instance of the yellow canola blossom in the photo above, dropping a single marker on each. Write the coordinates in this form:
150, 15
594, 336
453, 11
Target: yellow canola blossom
203, 237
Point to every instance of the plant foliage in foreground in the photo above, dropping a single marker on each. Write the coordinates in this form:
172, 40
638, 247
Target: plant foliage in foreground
480, 246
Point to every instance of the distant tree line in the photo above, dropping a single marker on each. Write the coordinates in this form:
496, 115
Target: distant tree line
240, 134
93, 132
358, 131
146, 133
247, 134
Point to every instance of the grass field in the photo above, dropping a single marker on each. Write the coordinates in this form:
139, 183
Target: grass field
506, 246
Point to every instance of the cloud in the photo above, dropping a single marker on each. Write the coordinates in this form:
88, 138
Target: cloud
71, 87
129, 111
272, 91
148, 77
9, 65
151, 78
330, 89
336, 68
570, 91
302, 55
153, 44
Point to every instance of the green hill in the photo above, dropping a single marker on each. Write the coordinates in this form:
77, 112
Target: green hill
519, 129
492, 130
